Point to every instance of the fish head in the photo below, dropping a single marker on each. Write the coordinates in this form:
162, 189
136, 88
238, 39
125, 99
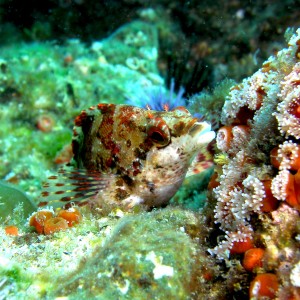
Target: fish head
127, 140
178, 137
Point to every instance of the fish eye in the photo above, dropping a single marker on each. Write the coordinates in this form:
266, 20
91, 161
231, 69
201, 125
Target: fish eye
157, 136
159, 132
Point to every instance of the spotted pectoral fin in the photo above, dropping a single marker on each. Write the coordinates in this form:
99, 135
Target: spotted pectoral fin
202, 161
74, 185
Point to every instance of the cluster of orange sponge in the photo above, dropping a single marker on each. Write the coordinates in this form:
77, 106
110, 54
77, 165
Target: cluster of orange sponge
46, 222
263, 284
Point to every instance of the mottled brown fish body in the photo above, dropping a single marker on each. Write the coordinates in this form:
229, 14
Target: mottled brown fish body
141, 156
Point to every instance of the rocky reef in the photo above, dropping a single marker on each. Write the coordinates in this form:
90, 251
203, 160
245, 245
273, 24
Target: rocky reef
242, 243
256, 188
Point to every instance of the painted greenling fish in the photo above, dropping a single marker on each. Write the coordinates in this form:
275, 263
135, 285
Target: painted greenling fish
126, 156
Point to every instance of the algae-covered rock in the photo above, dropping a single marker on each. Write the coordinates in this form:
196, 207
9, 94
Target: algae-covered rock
147, 256
10, 198
192, 193
54, 82
134, 45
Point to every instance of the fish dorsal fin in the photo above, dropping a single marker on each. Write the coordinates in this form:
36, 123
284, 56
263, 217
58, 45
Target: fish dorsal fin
72, 185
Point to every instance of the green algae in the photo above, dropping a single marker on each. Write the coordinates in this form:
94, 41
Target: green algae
13, 278
193, 192
43, 142
59, 81
139, 42
11, 198
209, 103
154, 255
147, 256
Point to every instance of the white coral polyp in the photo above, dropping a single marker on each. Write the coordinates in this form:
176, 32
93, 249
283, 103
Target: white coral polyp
254, 193
288, 123
287, 154
279, 184
243, 232
289, 96
245, 96
235, 207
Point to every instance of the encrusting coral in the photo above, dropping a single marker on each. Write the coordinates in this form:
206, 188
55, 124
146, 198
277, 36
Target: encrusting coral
258, 185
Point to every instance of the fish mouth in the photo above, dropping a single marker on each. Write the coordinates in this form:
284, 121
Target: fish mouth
199, 127
202, 132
